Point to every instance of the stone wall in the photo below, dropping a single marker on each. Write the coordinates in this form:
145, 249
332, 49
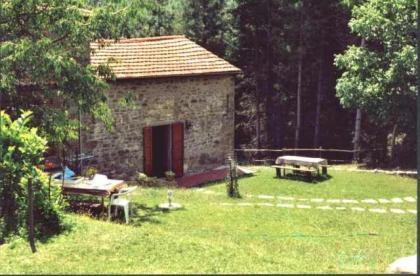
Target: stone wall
204, 104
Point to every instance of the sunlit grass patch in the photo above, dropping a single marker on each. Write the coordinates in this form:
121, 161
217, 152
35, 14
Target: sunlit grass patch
207, 236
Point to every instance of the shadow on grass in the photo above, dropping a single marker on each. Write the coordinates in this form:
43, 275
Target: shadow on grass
218, 182
46, 237
141, 213
304, 178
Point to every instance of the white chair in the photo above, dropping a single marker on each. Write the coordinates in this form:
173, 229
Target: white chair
121, 199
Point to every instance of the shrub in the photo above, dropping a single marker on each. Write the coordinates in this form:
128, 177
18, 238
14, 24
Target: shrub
21, 153
146, 181
170, 175
90, 172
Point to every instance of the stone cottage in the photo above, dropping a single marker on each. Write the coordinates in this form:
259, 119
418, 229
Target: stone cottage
173, 104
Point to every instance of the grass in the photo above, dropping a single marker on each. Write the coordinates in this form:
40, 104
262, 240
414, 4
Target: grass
209, 237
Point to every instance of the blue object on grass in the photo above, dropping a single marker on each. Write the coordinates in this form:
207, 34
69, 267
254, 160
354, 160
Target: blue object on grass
68, 174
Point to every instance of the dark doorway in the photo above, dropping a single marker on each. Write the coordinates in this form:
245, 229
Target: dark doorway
161, 155
164, 149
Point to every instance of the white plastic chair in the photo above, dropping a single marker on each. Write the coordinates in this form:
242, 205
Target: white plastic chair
121, 199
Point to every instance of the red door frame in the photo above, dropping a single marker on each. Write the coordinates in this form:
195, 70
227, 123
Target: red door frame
177, 149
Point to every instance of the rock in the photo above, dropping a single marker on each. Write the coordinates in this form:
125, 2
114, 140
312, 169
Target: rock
359, 209
374, 210
327, 207
397, 211
404, 265
171, 206
370, 201
265, 196
383, 200
397, 200
302, 206
265, 204
333, 200
285, 205
409, 199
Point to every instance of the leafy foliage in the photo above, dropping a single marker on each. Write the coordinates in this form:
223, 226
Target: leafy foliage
138, 18
21, 151
90, 172
380, 77
207, 22
44, 52
147, 181
267, 50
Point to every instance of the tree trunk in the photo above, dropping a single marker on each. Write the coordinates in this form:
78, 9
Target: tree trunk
269, 94
299, 80
393, 137
318, 104
356, 139
31, 224
258, 119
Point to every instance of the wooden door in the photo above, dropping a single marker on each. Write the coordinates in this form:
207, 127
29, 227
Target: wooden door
148, 151
178, 149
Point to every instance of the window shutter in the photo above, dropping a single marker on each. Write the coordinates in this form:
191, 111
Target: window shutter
178, 149
147, 151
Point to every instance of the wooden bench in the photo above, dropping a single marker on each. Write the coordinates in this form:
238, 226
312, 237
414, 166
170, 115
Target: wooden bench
308, 171
324, 169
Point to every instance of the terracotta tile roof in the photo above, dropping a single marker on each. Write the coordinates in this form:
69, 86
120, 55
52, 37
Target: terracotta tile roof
158, 57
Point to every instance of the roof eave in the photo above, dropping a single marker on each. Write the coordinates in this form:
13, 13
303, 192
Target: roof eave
236, 72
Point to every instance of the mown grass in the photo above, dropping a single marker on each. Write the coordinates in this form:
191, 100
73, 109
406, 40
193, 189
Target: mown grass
209, 237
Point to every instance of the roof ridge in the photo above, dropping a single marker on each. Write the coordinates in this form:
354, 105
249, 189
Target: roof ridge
141, 39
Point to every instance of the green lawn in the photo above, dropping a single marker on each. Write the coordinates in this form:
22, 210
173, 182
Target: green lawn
214, 234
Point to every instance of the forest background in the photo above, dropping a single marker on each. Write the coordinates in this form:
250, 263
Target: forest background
329, 73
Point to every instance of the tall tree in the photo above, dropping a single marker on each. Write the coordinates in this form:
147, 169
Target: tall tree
43, 52
268, 53
380, 78
357, 126
139, 18
262, 52
301, 51
205, 23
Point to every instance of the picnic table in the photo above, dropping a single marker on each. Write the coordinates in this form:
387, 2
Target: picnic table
300, 164
102, 187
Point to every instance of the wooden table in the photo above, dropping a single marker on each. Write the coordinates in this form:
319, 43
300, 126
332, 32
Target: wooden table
88, 187
296, 162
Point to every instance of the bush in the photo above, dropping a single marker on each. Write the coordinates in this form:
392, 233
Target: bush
90, 172
21, 153
170, 175
146, 181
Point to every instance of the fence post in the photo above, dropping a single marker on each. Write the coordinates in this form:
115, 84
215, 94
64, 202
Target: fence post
230, 177
320, 152
232, 181
31, 230
49, 187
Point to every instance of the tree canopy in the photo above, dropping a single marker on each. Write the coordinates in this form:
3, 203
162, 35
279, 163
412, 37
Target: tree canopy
44, 49
380, 77
283, 47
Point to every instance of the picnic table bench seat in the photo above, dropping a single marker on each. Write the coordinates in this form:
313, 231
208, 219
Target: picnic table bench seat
306, 165
307, 171
294, 168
